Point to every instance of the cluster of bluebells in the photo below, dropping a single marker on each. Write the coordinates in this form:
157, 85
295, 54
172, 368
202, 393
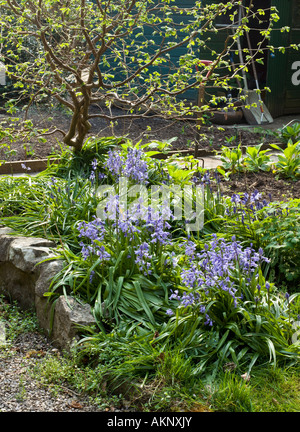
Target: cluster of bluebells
250, 202
154, 229
210, 271
127, 227
53, 185
94, 232
159, 228
138, 217
114, 163
202, 179
188, 299
94, 167
133, 166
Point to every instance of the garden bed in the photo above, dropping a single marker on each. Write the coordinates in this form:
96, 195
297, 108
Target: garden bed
146, 129
32, 154
267, 183
170, 302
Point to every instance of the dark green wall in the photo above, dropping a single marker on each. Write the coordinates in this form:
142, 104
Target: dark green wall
285, 96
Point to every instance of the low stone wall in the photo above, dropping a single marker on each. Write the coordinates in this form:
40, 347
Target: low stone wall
25, 278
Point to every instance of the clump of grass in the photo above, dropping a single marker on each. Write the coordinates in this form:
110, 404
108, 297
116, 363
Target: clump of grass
230, 393
276, 389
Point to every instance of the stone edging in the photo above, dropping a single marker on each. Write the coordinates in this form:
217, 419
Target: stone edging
25, 279
25, 166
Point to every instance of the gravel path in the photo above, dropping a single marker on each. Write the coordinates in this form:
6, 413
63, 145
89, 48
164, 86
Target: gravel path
19, 391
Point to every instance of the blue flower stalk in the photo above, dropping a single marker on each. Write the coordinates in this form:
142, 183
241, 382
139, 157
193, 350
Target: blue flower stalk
133, 166
220, 267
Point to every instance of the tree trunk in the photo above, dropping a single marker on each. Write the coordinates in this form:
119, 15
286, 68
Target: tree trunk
78, 130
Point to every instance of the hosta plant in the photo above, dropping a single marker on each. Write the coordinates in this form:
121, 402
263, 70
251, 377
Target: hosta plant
288, 164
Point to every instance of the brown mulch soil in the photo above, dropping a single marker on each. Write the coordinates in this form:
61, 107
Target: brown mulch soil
145, 129
154, 129
271, 187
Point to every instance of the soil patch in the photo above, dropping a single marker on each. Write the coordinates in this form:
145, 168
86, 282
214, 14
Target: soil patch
147, 129
155, 129
270, 187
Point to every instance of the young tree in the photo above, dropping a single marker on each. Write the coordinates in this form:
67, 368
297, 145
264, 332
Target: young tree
140, 55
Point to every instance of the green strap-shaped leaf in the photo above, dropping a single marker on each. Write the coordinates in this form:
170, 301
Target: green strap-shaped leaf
144, 302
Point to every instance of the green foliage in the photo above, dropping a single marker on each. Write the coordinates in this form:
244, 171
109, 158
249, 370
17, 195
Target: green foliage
280, 237
22, 205
288, 164
273, 226
256, 159
16, 322
276, 390
231, 158
289, 133
231, 393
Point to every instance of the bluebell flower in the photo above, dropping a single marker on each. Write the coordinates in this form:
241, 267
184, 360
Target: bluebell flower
86, 250
112, 208
101, 176
202, 309
174, 295
93, 230
114, 163
169, 312
92, 177
134, 166
255, 196
190, 248
92, 276
211, 270
127, 228
208, 321
25, 167
94, 164
102, 254
143, 258
159, 229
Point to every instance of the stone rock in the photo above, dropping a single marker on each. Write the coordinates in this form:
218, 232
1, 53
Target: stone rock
5, 242
5, 230
25, 252
44, 311
17, 284
69, 316
46, 272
